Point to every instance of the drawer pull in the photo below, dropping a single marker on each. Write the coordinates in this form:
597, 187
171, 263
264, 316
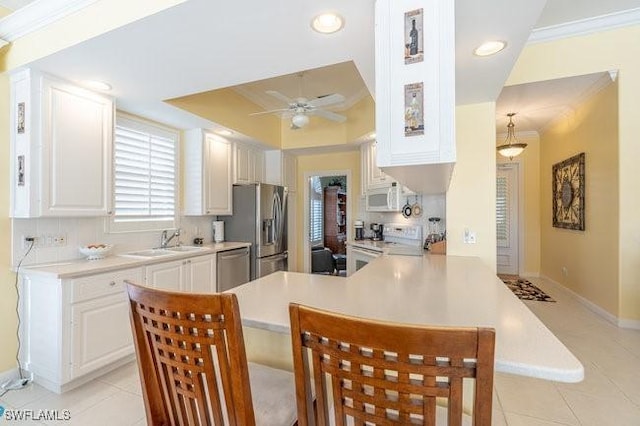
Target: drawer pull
112, 283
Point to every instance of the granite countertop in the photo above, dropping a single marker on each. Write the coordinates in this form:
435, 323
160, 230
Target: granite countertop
81, 267
434, 290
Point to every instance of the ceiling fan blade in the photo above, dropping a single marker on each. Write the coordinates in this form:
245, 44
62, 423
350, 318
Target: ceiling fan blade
329, 115
280, 96
270, 111
335, 98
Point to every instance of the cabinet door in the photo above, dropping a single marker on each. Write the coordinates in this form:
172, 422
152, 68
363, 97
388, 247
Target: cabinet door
201, 273
218, 182
256, 158
376, 176
242, 164
77, 133
166, 276
101, 333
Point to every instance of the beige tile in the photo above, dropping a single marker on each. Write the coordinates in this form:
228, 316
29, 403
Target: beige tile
534, 398
22, 397
513, 419
595, 383
599, 411
497, 418
125, 378
119, 409
76, 400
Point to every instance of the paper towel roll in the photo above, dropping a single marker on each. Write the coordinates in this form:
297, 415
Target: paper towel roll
218, 231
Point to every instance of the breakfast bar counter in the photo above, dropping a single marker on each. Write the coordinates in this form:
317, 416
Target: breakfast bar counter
429, 290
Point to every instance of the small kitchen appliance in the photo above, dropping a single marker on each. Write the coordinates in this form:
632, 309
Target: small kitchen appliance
359, 227
377, 229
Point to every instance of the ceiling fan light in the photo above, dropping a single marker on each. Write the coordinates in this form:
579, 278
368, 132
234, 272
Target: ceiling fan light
327, 23
300, 120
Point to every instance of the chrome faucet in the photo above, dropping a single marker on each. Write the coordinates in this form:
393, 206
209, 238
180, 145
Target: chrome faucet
164, 239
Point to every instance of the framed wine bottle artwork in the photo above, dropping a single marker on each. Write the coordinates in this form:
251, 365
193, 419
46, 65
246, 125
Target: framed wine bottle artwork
413, 35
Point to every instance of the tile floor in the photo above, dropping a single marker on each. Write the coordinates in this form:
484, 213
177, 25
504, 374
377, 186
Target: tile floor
609, 395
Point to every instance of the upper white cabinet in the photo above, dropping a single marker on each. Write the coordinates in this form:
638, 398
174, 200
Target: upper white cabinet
249, 164
208, 174
415, 92
61, 140
372, 176
281, 169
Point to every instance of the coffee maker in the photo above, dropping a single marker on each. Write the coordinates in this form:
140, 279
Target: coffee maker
377, 231
359, 227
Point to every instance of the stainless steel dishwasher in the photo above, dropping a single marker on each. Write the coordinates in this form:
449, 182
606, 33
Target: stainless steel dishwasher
232, 268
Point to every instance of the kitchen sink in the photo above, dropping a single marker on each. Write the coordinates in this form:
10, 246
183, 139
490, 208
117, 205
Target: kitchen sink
150, 253
159, 252
186, 248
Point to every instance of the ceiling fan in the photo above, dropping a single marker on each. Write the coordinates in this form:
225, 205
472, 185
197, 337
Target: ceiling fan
299, 109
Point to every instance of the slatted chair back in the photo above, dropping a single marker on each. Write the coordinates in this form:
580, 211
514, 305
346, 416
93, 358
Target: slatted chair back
374, 373
191, 358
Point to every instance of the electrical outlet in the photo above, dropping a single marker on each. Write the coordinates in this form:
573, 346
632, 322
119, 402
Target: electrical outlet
26, 243
469, 236
565, 271
60, 240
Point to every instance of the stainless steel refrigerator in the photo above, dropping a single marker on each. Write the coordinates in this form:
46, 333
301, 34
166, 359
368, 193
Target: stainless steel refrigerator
260, 217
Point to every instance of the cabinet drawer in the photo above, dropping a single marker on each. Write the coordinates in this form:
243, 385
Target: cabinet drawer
103, 284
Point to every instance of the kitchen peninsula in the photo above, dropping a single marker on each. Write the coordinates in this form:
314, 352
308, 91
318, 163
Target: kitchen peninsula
429, 289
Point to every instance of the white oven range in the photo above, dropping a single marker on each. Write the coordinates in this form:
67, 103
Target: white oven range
399, 239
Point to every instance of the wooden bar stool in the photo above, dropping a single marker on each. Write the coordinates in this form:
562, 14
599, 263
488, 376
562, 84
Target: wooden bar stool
377, 373
193, 365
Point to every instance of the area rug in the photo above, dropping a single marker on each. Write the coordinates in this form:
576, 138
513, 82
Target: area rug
524, 289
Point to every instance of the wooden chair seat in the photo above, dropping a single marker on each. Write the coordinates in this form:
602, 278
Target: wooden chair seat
193, 365
367, 372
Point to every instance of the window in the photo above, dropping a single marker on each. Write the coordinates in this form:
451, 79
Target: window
145, 169
316, 212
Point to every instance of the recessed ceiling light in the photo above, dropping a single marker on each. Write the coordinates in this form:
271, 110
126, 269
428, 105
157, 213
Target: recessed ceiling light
490, 47
98, 85
224, 132
327, 23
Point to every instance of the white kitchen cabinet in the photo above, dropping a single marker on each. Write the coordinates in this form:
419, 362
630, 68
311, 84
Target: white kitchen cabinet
208, 174
281, 169
372, 176
196, 275
416, 140
75, 329
249, 164
61, 140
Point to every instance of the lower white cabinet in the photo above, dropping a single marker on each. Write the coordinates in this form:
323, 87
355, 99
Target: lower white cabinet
195, 275
75, 329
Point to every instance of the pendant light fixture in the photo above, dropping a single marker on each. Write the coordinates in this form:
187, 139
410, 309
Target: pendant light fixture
511, 147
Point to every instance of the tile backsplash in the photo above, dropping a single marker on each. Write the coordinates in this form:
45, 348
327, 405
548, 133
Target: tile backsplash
432, 205
87, 230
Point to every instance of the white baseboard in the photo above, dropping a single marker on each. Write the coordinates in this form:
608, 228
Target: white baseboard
529, 275
629, 323
620, 322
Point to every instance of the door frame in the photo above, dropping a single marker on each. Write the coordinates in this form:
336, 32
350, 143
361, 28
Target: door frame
306, 248
519, 164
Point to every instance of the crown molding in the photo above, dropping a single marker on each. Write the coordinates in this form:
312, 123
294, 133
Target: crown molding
586, 26
37, 15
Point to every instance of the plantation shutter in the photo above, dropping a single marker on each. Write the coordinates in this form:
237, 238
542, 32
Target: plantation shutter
502, 211
145, 172
316, 212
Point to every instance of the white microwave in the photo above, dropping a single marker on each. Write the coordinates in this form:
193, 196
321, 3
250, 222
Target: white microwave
385, 199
